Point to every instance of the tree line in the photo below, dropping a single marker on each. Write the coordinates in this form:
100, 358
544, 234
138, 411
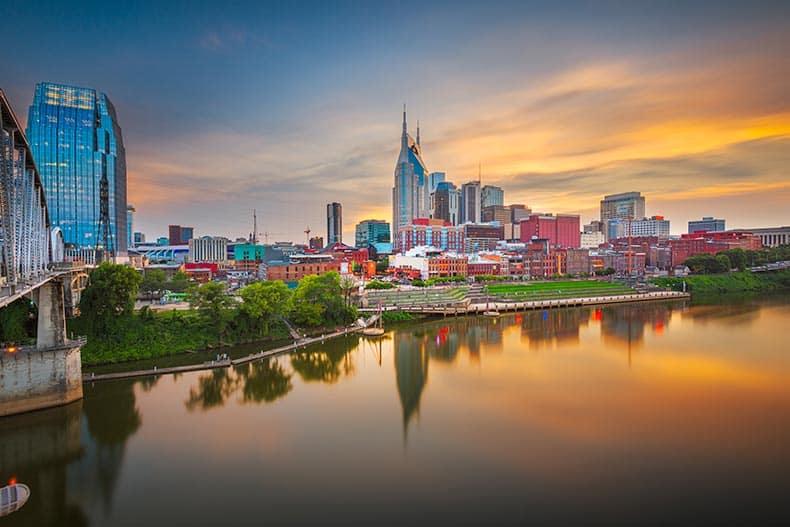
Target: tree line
116, 332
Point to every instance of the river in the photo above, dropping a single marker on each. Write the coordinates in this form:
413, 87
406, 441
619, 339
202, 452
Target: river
662, 412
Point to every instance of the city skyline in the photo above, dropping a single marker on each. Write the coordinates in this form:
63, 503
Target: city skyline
688, 107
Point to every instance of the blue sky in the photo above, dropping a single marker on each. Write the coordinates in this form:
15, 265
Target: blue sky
283, 107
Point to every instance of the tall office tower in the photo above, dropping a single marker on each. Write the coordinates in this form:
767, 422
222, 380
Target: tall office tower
434, 178
334, 223
77, 143
369, 232
129, 221
180, 235
408, 193
519, 212
707, 224
626, 206
470, 202
492, 195
446, 203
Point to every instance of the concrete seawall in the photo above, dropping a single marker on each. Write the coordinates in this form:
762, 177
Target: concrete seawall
31, 379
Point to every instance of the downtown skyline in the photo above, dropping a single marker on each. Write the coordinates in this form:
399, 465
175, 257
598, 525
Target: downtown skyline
285, 109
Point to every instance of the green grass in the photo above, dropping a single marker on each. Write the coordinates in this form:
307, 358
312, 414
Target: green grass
422, 296
556, 290
729, 282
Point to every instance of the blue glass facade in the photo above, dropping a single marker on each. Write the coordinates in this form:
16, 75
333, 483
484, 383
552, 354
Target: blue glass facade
410, 193
75, 140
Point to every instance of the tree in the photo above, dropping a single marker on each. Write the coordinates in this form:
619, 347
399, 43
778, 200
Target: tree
347, 284
382, 265
179, 283
110, 294
737, 258
153, 281
318, 300
263, 301
724, 263
211, 302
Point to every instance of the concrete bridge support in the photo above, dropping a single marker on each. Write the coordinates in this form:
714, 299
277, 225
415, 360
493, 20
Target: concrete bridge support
51, 315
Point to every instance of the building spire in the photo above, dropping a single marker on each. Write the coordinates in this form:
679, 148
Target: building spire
404, 118
418, 132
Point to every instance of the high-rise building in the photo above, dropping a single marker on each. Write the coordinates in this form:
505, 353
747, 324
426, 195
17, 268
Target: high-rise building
77, 144
180, 235
519, 212
334, 223
411, 182
369, 232
129, 221
619, 228
492, 196
498, 213
470, 202
707, 224
434, 178
208, 249
654, 226
446, 203
562, 230
139, 237
627, 206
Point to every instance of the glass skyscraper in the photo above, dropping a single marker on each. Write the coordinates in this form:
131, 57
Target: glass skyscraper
411, 183
76, 141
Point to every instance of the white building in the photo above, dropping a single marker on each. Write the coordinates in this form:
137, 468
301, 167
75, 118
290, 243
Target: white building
208, 249
591, 240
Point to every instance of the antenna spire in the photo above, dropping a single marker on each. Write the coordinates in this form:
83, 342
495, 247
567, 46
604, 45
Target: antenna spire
254, 227
479, 173
418, 132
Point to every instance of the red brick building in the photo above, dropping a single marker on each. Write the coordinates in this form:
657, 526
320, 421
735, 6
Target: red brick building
562, 230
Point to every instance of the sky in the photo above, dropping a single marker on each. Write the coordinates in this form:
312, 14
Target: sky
284, 107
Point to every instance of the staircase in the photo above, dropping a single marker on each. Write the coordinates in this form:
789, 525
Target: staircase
476, 294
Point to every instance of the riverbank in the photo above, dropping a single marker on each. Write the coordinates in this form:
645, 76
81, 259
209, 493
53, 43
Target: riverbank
149, 335
740, 282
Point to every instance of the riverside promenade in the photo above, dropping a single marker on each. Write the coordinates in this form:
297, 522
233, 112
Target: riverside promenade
466, 308
226, 363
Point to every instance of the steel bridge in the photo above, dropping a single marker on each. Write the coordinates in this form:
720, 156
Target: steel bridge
32, 266
31, 252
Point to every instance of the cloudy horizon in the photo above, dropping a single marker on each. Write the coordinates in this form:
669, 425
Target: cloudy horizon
286, 108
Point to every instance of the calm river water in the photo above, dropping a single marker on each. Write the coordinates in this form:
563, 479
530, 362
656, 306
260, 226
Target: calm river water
650, 413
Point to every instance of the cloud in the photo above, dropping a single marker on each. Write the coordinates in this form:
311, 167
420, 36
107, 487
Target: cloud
686, 127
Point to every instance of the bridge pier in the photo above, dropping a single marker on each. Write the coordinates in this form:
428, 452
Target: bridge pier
51, 315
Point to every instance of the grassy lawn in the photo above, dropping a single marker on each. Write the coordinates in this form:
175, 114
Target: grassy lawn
555, 290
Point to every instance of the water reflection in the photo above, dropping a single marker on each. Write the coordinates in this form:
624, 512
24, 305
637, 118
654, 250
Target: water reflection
268, 380
542, 401
329, 363
71, 456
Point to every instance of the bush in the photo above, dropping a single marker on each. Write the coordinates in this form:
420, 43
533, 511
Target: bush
378, 284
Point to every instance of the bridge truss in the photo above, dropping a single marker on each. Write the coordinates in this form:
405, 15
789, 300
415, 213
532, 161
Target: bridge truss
25, 237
